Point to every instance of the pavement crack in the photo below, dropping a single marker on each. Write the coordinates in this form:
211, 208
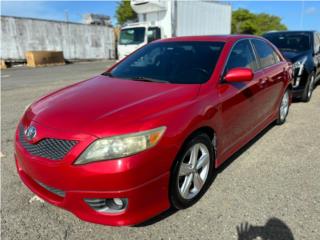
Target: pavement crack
66, 233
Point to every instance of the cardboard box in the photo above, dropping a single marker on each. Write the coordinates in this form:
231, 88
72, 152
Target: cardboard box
3, 64
44, 58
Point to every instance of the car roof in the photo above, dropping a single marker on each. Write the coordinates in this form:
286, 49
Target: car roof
213, 38
295, 31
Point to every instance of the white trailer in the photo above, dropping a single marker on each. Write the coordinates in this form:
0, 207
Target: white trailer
164, 19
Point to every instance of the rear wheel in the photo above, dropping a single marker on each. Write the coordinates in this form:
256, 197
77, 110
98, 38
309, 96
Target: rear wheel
284, 107
193, 172
307, 93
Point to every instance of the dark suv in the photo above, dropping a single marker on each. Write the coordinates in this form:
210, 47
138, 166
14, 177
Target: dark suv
302, 48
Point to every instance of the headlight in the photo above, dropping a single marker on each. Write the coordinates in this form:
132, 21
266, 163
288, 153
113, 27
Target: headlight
299, 63
120, 146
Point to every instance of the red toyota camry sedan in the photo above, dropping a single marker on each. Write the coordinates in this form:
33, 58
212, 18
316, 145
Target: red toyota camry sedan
150, 132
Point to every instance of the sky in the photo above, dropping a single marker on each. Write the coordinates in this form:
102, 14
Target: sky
296, 15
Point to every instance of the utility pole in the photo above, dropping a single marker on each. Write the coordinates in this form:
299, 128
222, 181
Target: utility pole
302, 16
66, 15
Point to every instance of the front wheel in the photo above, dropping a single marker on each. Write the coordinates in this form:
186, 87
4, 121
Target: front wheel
192, 172
307, 93
284, 108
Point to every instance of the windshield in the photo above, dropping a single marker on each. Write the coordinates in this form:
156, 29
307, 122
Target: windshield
132, 35
296, 42
174, 62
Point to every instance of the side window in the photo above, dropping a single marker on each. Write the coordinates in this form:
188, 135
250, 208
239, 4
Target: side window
276, 56
265, 53
153, 33
241, 56
316, 42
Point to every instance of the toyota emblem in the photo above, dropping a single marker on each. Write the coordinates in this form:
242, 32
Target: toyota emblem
30, 132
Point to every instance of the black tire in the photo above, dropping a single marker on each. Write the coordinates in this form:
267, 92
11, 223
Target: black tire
282, 117
176, 198
307, 92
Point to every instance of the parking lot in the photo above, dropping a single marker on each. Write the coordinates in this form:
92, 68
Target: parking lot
272, 184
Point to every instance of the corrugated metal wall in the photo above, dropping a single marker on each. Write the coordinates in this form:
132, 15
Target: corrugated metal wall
203, 18
77, 41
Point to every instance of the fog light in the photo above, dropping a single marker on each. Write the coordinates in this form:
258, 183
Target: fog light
118, 202
109, 205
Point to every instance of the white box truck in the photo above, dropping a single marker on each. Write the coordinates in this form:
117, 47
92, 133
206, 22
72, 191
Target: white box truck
164, 19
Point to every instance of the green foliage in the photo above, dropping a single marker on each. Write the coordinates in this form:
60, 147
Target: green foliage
124, 12
245, 22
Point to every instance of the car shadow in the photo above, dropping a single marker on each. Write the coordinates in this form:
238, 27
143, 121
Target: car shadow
274, 229
172, 211
158, 218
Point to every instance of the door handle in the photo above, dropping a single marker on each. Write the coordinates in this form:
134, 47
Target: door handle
263, 81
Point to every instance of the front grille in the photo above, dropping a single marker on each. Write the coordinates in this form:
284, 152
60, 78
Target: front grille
58, 192
50, 148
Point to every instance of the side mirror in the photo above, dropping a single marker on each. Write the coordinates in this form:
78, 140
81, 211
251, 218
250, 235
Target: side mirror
239, 75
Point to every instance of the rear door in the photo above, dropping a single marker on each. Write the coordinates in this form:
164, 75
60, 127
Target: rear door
272, 85
238, 106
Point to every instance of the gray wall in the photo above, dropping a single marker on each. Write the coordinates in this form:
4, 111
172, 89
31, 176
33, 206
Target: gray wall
77, 41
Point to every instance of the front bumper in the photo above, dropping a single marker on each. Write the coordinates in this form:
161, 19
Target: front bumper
144, 201
143, 179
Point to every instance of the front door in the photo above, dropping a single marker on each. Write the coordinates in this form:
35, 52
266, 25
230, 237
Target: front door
238, 108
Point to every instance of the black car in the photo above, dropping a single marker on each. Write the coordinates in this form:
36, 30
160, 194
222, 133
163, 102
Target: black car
302, 48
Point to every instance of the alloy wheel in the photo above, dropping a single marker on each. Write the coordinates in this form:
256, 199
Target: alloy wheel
284, 107
193, 171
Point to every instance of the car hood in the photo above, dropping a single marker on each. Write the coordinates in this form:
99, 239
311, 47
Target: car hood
105, 106
294, 56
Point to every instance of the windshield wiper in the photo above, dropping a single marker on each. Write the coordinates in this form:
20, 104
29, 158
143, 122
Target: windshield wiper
146, 79
108, 74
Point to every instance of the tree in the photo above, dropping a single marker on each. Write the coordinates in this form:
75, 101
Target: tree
246, 22
124, 12
268, 23
243, 22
